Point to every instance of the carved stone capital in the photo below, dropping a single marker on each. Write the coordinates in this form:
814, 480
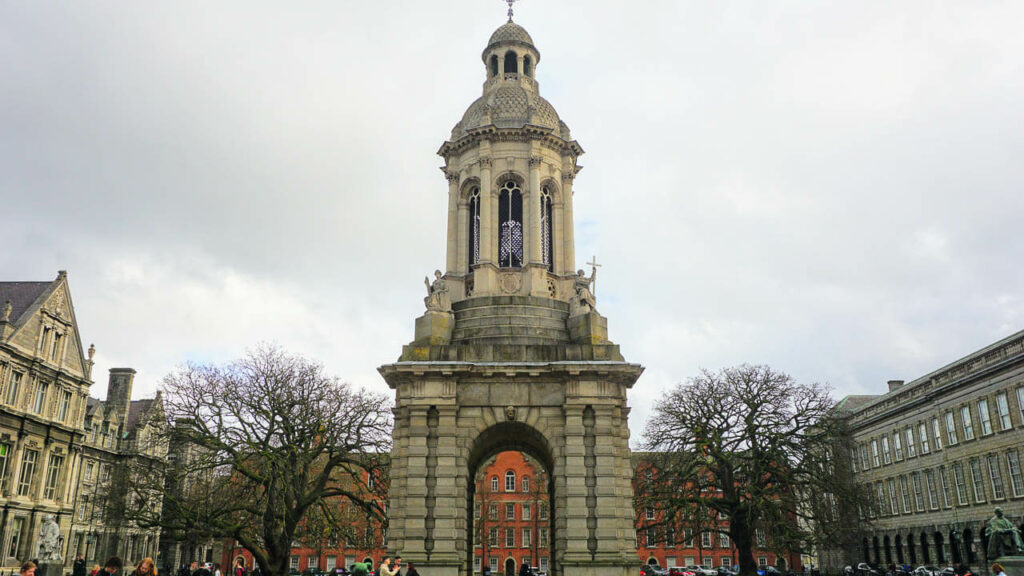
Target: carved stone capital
452, 177
569, 176
535, 161
485, 161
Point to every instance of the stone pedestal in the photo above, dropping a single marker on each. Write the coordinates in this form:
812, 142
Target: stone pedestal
434, 328
589, 328
1014, 565
50, 569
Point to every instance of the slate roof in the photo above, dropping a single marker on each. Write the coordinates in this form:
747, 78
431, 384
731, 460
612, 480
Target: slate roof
22, 296
135, 411
854, 402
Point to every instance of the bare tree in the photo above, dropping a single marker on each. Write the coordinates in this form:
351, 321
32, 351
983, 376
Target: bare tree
755, 446
258, 444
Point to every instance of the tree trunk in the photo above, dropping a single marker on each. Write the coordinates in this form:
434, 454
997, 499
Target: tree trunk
739, 530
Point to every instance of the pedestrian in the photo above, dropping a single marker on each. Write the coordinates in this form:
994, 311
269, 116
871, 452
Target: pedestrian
524, 569
200, 570
997, 570
113, 566
216, 570
239, 567
385, 567
412, 570
145, 568
78, 568
28, 569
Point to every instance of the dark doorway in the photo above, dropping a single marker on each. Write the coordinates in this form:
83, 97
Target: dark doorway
940, 553
877, 549
888, 549
972, 558
899, 549
911, 550
955, 549
925, 556
510, 567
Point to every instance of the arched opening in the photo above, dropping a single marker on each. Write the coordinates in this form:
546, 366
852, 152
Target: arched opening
968, 543
528, 66
864, 550
925, 556
510, 567
899, 549
652, 561
474, 222
911, 549
983, 541
887, 544
955, 549
494, 65
369, 562
511, 63
506, 525
940, 552
877, 549
510, 225
546, 237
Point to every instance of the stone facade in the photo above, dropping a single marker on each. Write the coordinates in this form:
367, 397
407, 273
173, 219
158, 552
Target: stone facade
940, 453
523, 361
44, 386
56, 441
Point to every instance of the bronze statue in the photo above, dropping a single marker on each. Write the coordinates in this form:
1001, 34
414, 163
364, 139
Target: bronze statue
1003, 537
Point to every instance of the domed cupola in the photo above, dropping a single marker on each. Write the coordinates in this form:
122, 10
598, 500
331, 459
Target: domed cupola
511, 98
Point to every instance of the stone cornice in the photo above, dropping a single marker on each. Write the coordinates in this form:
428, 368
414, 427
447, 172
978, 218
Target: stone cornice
528, 133
613, 371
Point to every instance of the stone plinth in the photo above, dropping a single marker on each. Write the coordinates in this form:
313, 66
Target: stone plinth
589, 328
434, 328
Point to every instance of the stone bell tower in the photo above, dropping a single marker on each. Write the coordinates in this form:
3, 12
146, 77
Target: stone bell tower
511, 353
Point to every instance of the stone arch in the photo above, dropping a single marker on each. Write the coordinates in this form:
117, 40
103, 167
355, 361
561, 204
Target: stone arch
507, 175
553, 188
368, 560
510, 566
652, 561
887, 545
493, 65
864, 549
511, 62
925, 556
940, 553
528, 65
898, 543
493, 437
955, 548
972, 557
876, 547
911, 549
466, 190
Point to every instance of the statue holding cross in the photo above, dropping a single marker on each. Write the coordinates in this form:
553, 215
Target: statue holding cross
584, 301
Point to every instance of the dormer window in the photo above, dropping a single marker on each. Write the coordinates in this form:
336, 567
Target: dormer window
510, 226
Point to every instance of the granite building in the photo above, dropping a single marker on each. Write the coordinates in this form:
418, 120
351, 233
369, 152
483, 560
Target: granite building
939, 454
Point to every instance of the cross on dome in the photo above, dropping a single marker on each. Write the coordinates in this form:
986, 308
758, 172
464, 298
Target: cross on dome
510, 3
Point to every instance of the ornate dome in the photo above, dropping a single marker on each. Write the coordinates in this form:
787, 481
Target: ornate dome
509, 107
510, 32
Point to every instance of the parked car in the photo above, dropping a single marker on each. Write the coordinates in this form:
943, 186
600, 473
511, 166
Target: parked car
680, 571
702, 571
652, 570
723, 571
769, 571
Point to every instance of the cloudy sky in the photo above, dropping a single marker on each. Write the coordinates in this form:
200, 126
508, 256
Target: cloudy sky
834, 189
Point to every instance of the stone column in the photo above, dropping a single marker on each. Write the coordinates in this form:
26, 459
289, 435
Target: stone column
568, 246
487, 214
451, 265
534, 210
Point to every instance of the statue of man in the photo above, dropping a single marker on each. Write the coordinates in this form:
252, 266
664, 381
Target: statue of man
49, 541
438, 299
584, 301
1003, 537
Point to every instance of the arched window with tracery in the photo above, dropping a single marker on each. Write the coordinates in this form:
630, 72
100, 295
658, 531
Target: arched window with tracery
510, 226
474, 227
510, 481
546, 237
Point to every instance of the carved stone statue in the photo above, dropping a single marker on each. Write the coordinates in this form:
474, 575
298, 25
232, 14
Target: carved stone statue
50, 541
8, 308
583, 302
1003, 537
438, 299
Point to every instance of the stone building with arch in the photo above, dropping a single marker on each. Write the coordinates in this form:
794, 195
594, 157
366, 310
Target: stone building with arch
511, 353
939, 453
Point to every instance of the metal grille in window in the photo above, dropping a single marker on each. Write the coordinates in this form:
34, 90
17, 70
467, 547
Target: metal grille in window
474, 227
510, 226
545, 228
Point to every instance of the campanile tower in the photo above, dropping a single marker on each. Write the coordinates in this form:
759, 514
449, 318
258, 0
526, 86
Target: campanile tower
511, 353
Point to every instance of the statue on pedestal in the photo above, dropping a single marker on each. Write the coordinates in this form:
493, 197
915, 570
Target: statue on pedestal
438, 299
1003, 537
583, 302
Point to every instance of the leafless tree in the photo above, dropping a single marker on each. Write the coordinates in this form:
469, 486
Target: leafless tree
258, 444
752, 444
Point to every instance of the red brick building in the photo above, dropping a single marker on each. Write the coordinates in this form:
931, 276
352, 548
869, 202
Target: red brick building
511, 525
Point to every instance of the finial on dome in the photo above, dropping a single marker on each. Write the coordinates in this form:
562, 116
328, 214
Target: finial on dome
510, 3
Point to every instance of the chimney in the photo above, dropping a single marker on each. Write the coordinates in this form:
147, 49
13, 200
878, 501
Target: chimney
895, 384
119, 389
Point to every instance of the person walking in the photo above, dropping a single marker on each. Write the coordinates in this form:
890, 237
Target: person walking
78, 568
145, 568
997, 569
412, 570
113, 566
385, 567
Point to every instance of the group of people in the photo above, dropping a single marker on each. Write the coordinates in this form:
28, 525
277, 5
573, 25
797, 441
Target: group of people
388, 567
113, 567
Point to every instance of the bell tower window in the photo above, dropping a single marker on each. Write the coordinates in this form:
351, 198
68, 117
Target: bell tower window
494, 66
510, 226
511, 63
527, 66
474, 226
545, 229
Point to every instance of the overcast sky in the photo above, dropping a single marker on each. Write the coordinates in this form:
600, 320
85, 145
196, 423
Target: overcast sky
833, 189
